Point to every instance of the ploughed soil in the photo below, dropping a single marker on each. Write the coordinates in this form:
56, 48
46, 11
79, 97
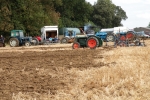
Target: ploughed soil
40, 69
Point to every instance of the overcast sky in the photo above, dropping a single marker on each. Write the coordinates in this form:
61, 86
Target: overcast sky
138, 12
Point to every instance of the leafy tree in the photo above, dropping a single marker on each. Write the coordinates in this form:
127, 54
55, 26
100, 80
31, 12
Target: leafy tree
31, 15
49, 7
74, 13
28, 15
118, 16
102, 15
5, 16
107, 15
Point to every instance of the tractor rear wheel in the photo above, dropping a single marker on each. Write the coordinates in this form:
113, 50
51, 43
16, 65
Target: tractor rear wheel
14, 42
92, 42
130, 35
27, 43
76, 45
110, 37
35, 41
64, 40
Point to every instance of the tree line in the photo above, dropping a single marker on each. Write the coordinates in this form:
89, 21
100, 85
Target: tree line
31, 15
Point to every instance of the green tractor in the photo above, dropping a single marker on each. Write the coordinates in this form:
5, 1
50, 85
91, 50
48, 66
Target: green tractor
91, 41
17, 38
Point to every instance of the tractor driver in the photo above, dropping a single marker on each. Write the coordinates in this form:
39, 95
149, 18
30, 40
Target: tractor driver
81, 30
2, 39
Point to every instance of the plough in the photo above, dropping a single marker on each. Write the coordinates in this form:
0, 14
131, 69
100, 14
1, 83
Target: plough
130, 38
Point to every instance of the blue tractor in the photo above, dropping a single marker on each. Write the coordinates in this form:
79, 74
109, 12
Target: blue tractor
69, 36
106, 36
109, 34
17, 38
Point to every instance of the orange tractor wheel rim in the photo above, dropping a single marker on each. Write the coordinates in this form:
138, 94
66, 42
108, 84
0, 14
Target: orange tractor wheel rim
129, 35
92, 43
123, 38
76, 46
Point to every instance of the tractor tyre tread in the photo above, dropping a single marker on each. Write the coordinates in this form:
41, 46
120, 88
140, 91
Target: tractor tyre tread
110, 40
37, 41
74, 44
64, 38
14, 39
97, 42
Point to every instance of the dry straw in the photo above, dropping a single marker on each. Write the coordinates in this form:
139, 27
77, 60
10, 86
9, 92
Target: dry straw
125, 75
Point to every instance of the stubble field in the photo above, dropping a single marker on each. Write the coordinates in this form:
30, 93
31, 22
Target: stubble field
56, 72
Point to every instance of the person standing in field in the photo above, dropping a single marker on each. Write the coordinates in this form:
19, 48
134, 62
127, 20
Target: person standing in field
2, 40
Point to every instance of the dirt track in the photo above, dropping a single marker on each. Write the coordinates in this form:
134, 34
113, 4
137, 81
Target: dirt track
42, 69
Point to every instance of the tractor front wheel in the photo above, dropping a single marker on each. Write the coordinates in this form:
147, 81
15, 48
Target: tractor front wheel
92, 42
14, 42
64, 40
76, 45
27, 43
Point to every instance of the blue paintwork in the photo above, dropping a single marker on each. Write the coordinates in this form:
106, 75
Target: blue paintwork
67, 34
102, 35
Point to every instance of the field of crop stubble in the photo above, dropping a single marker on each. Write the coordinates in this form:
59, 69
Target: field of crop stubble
56, 72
